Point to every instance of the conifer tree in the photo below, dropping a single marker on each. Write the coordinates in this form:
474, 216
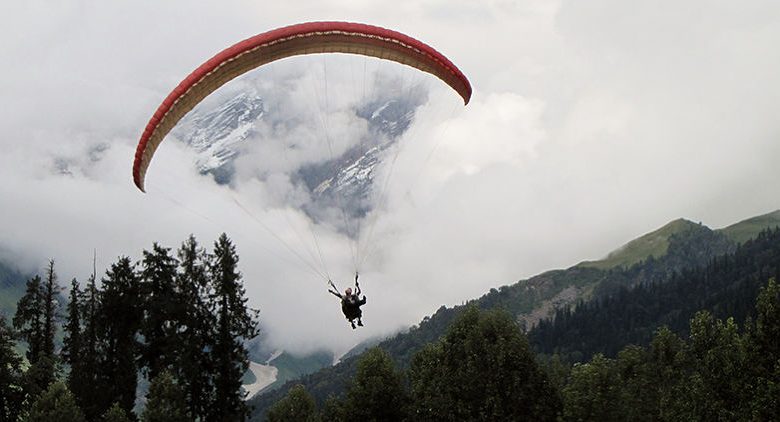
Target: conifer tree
56, 404
83, 379
235, 322
28, 320
160, 322
35, 318
297, 405
196, 334
71, 348
51, 291
11, 394
39, 376
482, 369
116, 414
165, 401
376, 393
120, 315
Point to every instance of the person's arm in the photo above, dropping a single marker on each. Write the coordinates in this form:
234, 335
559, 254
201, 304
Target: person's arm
337, 294
357, 286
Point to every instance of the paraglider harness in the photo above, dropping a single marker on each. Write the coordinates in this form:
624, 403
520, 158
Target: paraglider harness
350, 303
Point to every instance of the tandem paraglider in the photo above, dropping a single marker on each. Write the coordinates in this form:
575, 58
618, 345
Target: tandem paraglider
350, 302
297, 40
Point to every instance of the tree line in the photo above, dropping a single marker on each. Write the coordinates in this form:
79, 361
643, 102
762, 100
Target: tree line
725, 285
692, 247
483, 369
177, 319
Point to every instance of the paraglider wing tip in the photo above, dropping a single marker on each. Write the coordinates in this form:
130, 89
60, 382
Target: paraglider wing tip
138, 183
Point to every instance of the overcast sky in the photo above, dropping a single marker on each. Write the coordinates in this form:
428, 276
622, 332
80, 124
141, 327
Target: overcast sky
591, 123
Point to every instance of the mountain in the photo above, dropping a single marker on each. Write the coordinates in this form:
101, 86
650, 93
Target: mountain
657, 257
655, 244
221, 134
748, 229
217, 134
726, 286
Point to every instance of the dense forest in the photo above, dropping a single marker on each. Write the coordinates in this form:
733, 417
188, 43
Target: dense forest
690, 246
726, 287
179, 321
483, 369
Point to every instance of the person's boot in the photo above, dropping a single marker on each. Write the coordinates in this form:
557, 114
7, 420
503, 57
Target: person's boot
360, 323
353, 325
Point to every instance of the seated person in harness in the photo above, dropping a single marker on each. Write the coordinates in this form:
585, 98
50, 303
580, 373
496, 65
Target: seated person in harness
350, 303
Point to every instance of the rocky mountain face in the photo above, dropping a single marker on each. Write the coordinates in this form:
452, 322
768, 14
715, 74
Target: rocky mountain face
221, 134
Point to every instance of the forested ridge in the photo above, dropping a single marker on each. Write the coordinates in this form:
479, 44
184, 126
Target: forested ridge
483, 369
694, 250
726, 287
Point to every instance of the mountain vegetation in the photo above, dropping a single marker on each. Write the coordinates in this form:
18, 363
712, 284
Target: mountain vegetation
181, 320
687, 332
483, 369
689, 246
726, 288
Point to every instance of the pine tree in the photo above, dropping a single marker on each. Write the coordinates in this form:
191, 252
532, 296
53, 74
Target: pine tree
11, 394
161, 309
28, 320
51, 291
116, 414
35, 318
297, 405
39, 376
196, 333
56, 404
235, 322
120, 315
376, 393
71, 349
165, 401
83, 379
482, 369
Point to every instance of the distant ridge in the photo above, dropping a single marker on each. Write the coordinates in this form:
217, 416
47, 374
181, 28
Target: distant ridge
654, 244
748, 229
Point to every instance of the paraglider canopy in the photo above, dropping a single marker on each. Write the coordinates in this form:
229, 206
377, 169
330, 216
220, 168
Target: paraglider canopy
305, 38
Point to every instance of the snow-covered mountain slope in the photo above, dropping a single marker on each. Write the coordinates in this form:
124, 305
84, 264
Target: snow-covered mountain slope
221, 133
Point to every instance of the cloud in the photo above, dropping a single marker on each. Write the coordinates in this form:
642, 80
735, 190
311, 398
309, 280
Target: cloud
588, 126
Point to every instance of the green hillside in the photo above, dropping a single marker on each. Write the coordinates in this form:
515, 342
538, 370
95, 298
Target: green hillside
678, 245
291, 367
653, 244
749, 229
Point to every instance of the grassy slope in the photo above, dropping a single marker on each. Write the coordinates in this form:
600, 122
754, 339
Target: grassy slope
654, 243
748, 229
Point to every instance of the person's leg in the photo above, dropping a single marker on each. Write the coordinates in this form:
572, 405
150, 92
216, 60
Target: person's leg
360, 322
